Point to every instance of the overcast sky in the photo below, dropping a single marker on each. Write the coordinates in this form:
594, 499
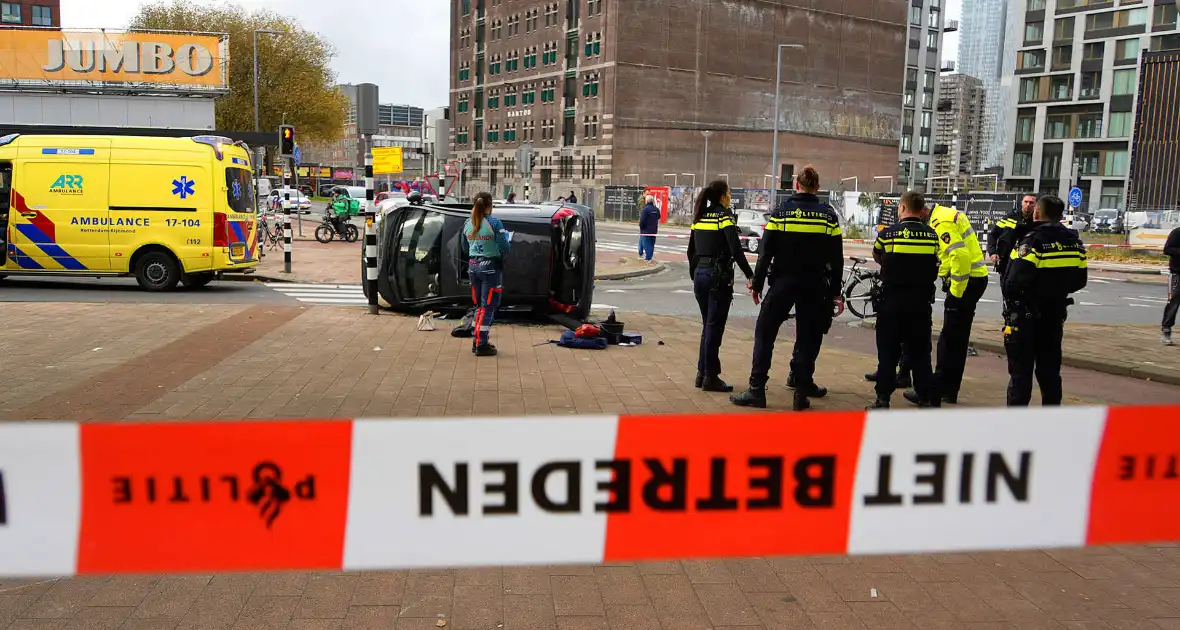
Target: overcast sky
401, 45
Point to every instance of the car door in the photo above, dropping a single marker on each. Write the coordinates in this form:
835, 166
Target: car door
59, 215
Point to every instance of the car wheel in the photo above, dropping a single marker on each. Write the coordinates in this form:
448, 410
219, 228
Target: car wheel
157, 271
196, 280
752, 244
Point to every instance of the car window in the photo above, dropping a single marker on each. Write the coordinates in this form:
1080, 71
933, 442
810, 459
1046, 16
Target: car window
239, 192
419, 254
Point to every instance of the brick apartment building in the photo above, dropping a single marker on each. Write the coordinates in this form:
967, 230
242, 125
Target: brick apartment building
633, 91
30, 13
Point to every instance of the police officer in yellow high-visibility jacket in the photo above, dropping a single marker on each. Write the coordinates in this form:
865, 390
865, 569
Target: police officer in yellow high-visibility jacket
964, 279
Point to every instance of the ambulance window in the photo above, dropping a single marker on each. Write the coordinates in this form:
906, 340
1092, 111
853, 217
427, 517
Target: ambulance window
239, 189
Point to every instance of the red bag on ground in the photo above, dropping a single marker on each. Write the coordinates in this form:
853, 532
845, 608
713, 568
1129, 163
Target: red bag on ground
587, 330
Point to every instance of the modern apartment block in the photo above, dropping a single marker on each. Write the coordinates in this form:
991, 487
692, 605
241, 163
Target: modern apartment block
1077, 72
920, 96
650, 92
983, 38
398, 126
961, 124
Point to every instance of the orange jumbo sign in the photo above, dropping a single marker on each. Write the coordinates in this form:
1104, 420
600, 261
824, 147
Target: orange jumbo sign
162, 60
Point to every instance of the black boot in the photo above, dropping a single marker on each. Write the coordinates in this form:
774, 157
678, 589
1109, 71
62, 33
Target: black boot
914, 398
792, 382
486, 350
815, 391
715, 384
800, 403
871, 377
879, 404
950, 399
753, 397
700, 379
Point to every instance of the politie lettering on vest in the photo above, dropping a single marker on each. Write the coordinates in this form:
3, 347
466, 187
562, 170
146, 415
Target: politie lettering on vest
811, 481
940, 475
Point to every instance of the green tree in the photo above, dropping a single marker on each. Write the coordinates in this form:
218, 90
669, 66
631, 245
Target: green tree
294, 78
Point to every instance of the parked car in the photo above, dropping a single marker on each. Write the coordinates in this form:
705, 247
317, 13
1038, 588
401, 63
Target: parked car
303, 203
550, 269
387, 200
1107, 221
1075, 221
306, 190
325, 190
751, 224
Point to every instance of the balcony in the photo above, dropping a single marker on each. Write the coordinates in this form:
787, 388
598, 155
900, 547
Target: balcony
945, 105
948, 66
951, 26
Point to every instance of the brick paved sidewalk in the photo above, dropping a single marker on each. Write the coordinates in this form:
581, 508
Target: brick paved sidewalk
171, 362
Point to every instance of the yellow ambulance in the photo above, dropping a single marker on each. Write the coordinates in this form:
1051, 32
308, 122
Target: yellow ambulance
163, 210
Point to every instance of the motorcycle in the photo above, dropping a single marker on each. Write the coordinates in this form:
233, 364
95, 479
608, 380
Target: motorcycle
333, 226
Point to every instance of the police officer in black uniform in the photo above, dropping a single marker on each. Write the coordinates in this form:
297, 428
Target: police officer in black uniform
1007, 233
908, 254
713, 248
1046, 266
802, 250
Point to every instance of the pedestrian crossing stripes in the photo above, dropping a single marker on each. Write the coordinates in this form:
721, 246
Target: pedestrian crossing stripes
617, 246
324, 294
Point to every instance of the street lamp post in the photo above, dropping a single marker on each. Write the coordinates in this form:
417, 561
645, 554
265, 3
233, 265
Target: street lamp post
778, 78
855, 183
694, 178
888, 177
675, 179
705, 171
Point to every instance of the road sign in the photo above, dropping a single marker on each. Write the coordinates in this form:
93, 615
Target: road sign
298, 154
1075, 196
387, 160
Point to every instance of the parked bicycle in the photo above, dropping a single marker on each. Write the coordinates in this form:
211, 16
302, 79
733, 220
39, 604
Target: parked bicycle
333, 226
270, 230
862, 289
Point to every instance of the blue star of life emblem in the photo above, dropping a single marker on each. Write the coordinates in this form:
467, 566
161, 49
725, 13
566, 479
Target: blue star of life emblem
183, 187
237, 189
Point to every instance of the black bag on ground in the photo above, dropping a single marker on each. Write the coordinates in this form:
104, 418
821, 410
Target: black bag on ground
466, 327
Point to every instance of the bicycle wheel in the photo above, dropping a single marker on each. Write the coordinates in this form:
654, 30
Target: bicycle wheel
351, 233
858, 298
323, 233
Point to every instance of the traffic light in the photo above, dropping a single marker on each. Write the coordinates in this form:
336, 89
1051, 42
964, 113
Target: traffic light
532, 161
286, 140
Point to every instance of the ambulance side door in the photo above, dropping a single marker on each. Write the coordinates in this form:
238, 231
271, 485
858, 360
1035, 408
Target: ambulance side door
161, 198
59, 208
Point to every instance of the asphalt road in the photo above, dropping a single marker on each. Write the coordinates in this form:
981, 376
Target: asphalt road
1104, 301
61, 289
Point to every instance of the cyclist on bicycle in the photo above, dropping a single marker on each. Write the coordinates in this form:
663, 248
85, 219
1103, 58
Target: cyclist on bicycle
338, 210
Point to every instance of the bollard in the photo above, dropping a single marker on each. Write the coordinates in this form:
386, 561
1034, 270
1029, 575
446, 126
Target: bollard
287, 233
442, 188
370, 231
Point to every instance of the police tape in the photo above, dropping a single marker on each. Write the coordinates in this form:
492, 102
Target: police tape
859, 241
391, 494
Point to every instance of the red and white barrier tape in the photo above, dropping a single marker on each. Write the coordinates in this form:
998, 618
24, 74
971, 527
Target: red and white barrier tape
385, 494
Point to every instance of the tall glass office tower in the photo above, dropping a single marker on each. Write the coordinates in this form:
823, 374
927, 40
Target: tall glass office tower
982, 35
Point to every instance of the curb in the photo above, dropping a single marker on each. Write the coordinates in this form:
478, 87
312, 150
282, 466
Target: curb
1152, 373
636, 273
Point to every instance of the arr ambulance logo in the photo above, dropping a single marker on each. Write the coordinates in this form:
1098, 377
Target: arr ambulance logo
67, 185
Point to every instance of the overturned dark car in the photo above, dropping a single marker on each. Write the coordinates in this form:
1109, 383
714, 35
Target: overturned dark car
550, 270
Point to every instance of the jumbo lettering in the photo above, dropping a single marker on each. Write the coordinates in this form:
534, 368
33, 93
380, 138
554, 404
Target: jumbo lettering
129, 57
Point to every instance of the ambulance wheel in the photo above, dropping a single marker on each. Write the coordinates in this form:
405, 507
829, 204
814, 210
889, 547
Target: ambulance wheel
196, 280
157, 271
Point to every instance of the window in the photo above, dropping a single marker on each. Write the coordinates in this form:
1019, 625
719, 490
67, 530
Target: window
496, 30
464, 104
930, 80
551, 15
594, 7
1115, 164
1030, 60
1165, 42
1119, 125
1036, 5
416, 270
909, 98
1051, 166
907, 144
1063, 29
1025, 127
593, 44
1112, 197
1057, 126
1089, 125
931, 41
1091, 84
590, 85
1034, 32
43, 16
907, 119
1022, 163
1164, 15
923, 144
911, 76
926, 118
927, 100
1030, 90
916, 16
493, 99
1088, 162
1093, 51
922, 172
1062, 57
239, 194
466, 7
1127, 49
1061, 87
1124, 82
1116, 19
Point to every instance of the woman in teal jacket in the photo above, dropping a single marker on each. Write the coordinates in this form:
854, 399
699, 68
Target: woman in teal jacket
486, 242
